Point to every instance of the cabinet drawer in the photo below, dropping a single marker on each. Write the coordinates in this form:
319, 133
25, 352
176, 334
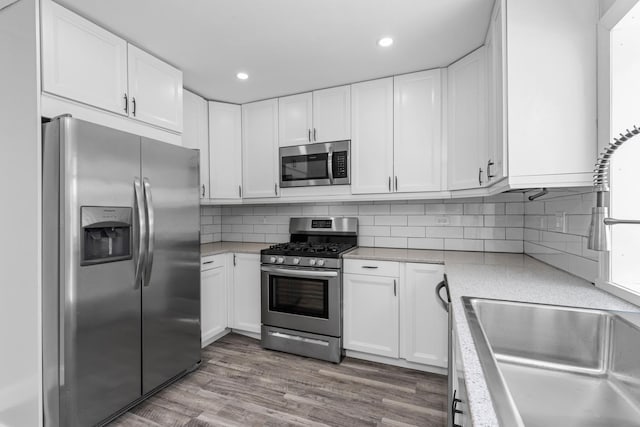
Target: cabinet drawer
372, 268
211, 261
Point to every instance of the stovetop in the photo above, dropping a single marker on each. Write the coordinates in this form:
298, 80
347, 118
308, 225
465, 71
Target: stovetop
311, 249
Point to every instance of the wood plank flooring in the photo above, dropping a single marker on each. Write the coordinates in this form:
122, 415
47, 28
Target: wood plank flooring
241, 384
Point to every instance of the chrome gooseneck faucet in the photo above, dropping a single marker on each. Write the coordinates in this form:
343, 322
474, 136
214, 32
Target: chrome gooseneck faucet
599, 239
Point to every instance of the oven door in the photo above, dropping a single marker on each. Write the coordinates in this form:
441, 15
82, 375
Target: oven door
302, 299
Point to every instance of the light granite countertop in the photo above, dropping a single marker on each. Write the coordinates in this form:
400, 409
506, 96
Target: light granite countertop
226, 247
399, 255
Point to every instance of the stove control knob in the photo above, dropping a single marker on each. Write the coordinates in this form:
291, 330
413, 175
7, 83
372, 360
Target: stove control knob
296, 260
272, 259
280, 260
320, 262
312, 262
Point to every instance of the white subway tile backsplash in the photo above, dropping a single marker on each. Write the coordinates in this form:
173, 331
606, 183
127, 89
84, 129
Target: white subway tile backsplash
391, 242
445, 232
366, 241
381, 231
514, 234
463, 245
408, 231
442, 208
484, 233
504, 246
427, 243
409, 209
374, 209
366, 220
390, 220
514, 208
484, 208
242, 228
290, 210
315, 210
264, 210
343, 210
265, 229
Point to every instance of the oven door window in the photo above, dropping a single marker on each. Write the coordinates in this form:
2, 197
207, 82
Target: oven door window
295, 295
305, 167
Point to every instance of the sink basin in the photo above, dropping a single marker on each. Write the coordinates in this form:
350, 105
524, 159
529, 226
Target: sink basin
551, 365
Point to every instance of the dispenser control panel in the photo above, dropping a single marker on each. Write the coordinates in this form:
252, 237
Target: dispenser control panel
106, 234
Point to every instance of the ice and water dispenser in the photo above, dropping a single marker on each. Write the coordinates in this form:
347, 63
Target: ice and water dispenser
106, 234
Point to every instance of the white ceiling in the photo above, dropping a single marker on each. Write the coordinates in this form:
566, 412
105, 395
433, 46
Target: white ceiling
292, 46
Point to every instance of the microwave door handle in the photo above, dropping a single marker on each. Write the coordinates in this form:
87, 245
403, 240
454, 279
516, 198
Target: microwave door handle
299, 273
330, 166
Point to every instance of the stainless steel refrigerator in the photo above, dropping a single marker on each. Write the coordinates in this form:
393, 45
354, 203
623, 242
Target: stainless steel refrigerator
121, 269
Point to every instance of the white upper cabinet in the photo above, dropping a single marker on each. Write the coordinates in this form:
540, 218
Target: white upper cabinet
260, 149
155, 90
417, 141
295, 119
332, 114
496, 167
467, 122
225, 151
195, 134
372, 136
85, 63
82, 61
321, 116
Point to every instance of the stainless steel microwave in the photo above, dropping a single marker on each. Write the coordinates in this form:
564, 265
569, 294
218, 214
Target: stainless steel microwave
315, 164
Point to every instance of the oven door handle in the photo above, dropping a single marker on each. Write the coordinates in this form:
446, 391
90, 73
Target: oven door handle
299, 273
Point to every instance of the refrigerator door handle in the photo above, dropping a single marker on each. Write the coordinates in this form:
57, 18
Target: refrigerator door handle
142, 231
152, 234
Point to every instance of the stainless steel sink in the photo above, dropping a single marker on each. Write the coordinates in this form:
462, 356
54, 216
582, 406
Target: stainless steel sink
558, 366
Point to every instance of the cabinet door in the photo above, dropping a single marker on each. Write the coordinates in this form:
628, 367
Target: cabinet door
372, 136
213, 302
260, 149
371, 314
195, 134
332, 114
417, 142
225, 151
82, 61
155, 90
467, 122
294, 119
246, 292
423, 321
496, 164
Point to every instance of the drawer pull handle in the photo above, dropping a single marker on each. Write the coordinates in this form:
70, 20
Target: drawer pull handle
208, 262
370, 266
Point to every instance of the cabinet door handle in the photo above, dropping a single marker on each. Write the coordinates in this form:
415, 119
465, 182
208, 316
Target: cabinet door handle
314, 134
275, 188
133, 101
396, 183
309, 135
395, 292
370, 266
126, 103
489, 176
239, 190
234, 260
389, 184
480, 176
203, 190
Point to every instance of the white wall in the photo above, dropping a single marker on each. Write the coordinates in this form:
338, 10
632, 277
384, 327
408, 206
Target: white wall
20, 329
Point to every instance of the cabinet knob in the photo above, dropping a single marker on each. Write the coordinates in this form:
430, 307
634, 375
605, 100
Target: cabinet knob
480, 176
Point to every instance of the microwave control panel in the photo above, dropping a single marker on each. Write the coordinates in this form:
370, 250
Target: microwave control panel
340, 164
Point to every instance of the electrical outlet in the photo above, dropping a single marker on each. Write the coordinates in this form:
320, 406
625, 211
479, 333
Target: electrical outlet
443, 220
559, 222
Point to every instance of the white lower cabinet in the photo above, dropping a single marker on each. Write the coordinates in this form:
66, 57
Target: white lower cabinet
245, 292
423, 322
390, 310
213, 297
371, 314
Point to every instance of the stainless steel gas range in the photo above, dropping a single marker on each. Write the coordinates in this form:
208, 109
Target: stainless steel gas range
302, 287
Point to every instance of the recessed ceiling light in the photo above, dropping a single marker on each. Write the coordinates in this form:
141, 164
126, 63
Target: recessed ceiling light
242, 76
385, 42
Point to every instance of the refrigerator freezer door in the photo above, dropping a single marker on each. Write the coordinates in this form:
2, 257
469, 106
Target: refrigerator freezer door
98, 306
171, 291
